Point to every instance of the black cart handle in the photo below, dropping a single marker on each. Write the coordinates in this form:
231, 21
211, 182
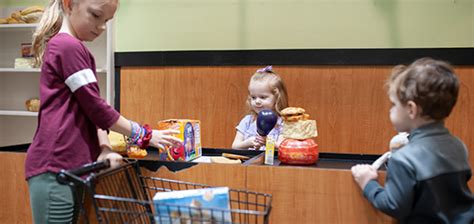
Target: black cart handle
64, 175
91, 167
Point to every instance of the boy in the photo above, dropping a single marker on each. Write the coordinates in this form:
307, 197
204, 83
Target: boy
427, 179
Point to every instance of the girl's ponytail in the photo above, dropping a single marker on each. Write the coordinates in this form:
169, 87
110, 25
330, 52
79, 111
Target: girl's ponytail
48, 26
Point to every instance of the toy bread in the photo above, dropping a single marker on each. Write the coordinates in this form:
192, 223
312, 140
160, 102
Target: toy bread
300, 129
293, 114
136, 152
31, 14
32, 17
398, 141
220, 159
297, 125
14, 21
32, 105
234, 156
31, 9
117, 141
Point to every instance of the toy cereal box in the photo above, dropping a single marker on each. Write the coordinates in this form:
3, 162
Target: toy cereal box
207, 205
190, 135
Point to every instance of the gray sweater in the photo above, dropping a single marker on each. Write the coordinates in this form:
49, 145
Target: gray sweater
426, 180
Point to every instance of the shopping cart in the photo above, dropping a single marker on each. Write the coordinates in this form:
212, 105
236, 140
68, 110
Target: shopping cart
124, 195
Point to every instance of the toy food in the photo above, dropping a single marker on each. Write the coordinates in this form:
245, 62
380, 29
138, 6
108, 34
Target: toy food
296, 124
398, 141
294, 114
298, 147
300, 129
220, 159
294, 151
136, 152
234, 156
117, 141
32, 104
31, 14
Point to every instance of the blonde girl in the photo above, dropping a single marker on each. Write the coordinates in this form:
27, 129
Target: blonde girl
72, 117
266, 91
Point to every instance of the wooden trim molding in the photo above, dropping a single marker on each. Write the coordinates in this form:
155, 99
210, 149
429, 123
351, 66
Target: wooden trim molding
456, 56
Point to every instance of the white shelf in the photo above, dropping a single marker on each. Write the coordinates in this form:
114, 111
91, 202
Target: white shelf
20, 70
16, 26
99, 70
23, 25
19, 84
18, 113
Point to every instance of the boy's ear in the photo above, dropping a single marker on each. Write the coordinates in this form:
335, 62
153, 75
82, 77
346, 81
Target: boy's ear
413, 109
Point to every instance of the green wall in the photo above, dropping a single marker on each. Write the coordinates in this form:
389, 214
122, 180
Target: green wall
154, 25
20, 3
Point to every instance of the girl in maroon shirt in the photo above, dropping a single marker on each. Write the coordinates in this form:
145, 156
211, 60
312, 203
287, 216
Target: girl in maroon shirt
72, 117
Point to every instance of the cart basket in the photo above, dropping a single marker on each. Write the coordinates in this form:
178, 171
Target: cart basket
124, 195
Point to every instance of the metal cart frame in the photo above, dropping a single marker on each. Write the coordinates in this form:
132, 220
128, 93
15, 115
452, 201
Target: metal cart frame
124, 195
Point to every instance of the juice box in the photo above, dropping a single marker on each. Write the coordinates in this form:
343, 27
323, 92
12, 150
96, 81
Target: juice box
190, 136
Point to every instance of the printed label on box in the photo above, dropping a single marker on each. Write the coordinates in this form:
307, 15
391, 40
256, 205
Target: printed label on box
190, 136
207, 205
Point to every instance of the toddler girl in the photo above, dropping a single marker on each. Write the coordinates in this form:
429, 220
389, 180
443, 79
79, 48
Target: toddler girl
266, 91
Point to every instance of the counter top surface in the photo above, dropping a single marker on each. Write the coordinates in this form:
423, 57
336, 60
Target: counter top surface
326, 160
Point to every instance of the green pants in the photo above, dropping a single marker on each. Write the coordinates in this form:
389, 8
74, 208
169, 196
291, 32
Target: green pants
51, 202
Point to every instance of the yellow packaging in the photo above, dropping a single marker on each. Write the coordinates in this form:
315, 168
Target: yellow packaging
190, 136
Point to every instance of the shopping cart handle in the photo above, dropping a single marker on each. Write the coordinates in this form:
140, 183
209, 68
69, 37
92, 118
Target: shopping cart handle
91, 167
63, 175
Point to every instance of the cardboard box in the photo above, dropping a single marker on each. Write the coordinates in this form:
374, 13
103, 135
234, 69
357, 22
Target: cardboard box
206, 205
189, 134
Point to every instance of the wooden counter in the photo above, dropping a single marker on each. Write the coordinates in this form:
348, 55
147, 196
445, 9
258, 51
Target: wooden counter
300, 194
14, 196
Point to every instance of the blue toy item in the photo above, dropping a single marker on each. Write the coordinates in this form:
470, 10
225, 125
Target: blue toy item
266, 121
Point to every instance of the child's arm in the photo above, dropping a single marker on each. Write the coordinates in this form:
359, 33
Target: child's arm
363, 173
107, 153
159, 137
396, 197
241, 143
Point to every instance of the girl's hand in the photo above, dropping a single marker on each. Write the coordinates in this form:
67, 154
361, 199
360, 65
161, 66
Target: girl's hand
161, 138
114, 158
363, 173
259, 141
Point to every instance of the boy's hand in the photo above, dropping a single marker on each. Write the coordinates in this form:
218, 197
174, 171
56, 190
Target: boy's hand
160, 138
363, 173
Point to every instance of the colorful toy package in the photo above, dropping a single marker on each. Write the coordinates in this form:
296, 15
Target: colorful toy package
189, 134
207, 205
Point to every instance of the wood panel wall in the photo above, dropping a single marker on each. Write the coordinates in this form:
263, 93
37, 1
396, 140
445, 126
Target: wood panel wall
349, 102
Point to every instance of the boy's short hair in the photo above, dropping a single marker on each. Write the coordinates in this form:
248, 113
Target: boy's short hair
430, 83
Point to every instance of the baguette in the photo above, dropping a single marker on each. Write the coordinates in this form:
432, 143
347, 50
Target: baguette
234, 156
31, 9
220, 159
32, 17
